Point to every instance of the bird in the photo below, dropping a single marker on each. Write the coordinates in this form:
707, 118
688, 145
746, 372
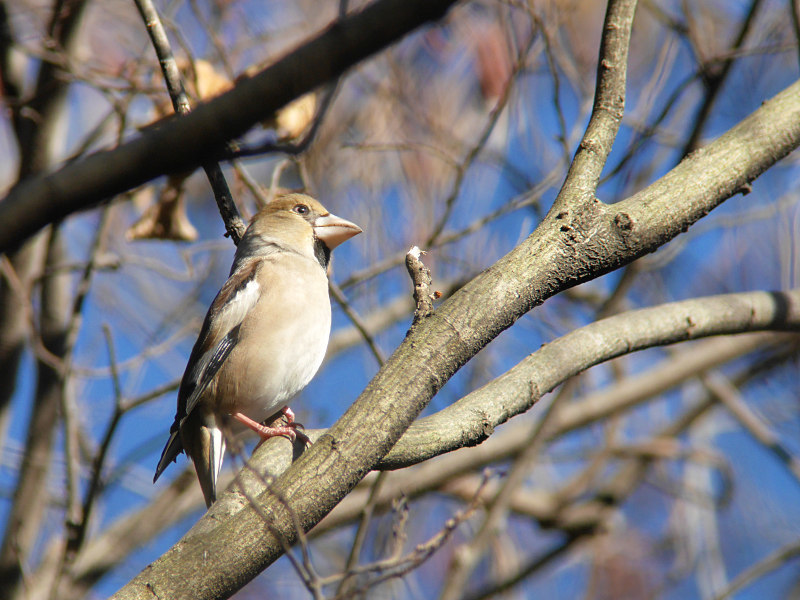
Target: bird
263, 338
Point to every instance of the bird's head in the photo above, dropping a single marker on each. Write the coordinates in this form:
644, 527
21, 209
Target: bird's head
296, 223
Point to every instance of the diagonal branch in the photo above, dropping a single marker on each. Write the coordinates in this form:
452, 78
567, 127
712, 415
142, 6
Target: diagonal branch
179, 144
465, 423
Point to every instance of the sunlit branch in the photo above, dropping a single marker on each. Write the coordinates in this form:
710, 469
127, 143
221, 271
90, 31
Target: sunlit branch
609, 105
180, 102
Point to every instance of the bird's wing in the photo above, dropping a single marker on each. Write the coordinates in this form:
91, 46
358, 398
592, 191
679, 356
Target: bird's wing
219, 334
218, 337
210, 363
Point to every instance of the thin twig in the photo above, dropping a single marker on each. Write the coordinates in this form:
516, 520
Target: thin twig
466, 558
151, 395
527, 198
74, 327
397, 567
39, 348
69, 409
149, 352
234, 224
296, 148
554, 76
770, 563
526, 571
715, 78
262, 199
358, 323
348, 582
95, 484
794, 8
421, 278
727, 394
463, 168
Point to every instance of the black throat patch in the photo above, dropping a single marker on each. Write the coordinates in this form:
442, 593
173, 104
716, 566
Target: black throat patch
322, 253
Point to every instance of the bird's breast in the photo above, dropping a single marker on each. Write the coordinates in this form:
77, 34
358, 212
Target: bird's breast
282, 344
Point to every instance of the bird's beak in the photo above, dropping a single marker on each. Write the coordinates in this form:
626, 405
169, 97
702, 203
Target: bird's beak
334, 230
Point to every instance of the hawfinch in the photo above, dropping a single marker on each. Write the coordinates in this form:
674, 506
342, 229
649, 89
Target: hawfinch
264, 336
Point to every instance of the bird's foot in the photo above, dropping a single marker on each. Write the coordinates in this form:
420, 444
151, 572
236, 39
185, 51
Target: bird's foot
290, 430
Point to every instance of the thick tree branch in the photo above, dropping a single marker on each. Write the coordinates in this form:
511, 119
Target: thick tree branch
473, 418
462, 424
507, 443
564, 357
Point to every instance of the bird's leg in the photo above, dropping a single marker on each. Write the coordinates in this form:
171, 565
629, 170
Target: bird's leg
266, 432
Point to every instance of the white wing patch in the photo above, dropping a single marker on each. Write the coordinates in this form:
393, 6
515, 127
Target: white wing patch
238, 306
217, 450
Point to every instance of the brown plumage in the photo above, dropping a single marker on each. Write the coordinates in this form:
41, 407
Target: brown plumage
264, 336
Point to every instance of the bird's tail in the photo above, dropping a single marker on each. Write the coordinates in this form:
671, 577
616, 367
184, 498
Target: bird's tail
170, 453
208, 448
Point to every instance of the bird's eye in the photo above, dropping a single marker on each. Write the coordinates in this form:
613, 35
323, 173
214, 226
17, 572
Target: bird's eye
301, 209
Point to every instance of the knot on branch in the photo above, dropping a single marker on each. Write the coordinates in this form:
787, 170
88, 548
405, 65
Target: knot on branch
421, 277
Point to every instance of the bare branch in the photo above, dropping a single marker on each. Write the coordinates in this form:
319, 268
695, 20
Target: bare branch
180, 102
474, 417
609, 105
176, 145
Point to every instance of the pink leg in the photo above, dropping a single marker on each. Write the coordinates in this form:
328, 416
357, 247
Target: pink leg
265, 433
